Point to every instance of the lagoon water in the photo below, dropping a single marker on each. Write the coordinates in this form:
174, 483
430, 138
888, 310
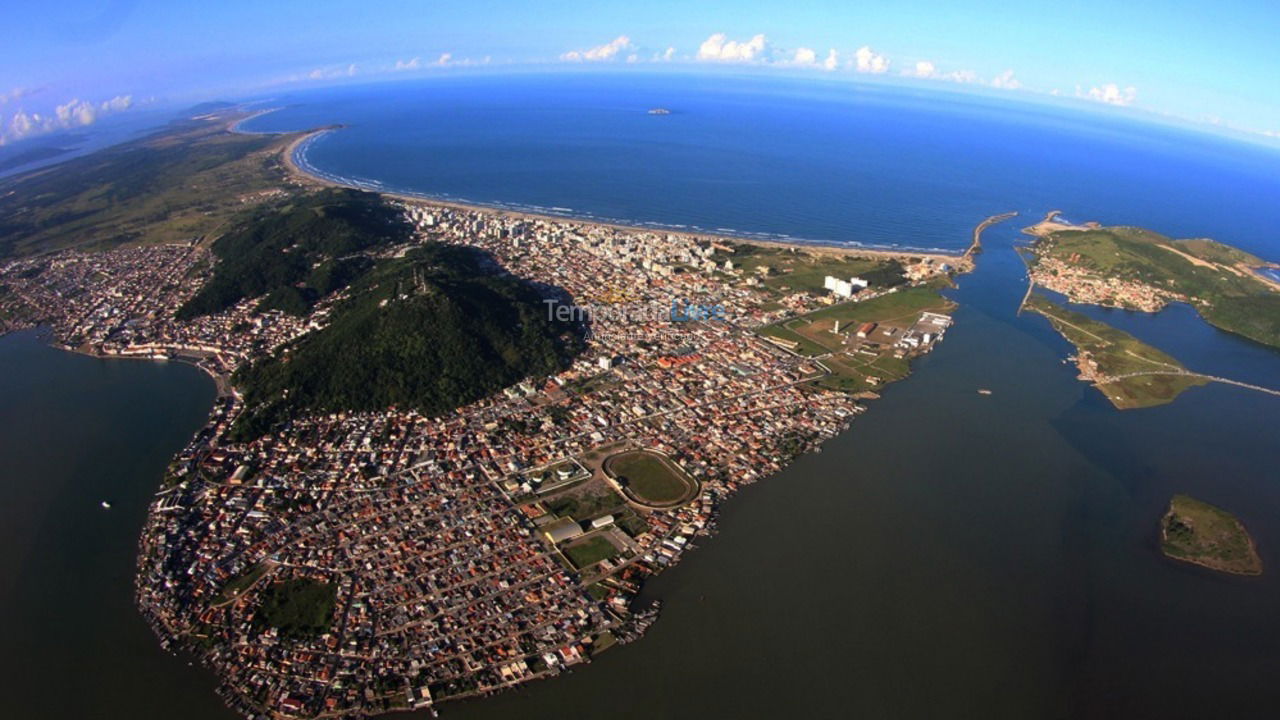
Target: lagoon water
953, 555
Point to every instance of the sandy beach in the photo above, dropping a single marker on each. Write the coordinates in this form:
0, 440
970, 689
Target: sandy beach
304, 177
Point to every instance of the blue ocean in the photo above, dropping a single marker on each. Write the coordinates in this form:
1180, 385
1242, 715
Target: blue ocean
832, 162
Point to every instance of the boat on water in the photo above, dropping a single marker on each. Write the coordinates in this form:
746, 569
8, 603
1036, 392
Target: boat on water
106, 505
983, 391
659, 111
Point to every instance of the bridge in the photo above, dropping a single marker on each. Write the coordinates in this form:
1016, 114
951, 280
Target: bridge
1211, 378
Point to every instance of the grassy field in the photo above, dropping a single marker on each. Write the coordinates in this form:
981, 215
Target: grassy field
902, 307
1197, 532
185, 181
788, 270
589, 551
651, 479
1119, 353
1215, 277
585, 502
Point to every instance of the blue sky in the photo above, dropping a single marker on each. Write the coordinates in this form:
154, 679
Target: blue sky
66, 64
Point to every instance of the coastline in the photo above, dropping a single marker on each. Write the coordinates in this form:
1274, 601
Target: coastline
301, 173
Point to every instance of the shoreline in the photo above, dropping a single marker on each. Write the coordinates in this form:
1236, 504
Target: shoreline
310, 176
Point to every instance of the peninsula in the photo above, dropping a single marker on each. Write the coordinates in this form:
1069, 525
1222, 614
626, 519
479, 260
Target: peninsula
1196, 532
1136, 269
450, 443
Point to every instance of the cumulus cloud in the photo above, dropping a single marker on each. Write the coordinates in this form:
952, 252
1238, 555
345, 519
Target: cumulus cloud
1006, 81
413, 64
926, 69
1110, 93
867, 61
720, 48
923, 69
805, 56
668, 54
607, 51
447, 58
72, 114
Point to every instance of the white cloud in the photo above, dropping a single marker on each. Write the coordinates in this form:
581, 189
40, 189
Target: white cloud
719, 48
669, 53
608, 51
72, 114
867, 61
923, 69
805, 56
447, 58
333, 72
413, 64
1006, 81
926, 69
1110, 93
16, 94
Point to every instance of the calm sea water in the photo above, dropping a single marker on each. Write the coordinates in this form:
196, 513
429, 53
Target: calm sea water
954, 555
829, 162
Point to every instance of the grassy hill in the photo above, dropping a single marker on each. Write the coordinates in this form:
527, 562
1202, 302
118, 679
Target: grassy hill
1216, 278
434, 330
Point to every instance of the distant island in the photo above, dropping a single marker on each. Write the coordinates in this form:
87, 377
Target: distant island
659, 111
1196, 532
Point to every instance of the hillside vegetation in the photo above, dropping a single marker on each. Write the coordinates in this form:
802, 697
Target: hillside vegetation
434, 330
298, 252
1214, 277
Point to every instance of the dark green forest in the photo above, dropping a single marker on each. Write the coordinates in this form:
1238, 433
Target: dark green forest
434, 330
299, 252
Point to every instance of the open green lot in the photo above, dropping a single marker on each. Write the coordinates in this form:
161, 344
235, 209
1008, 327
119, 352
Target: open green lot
585, 502
298, 608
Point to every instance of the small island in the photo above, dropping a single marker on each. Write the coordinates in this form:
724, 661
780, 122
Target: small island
1199, 533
